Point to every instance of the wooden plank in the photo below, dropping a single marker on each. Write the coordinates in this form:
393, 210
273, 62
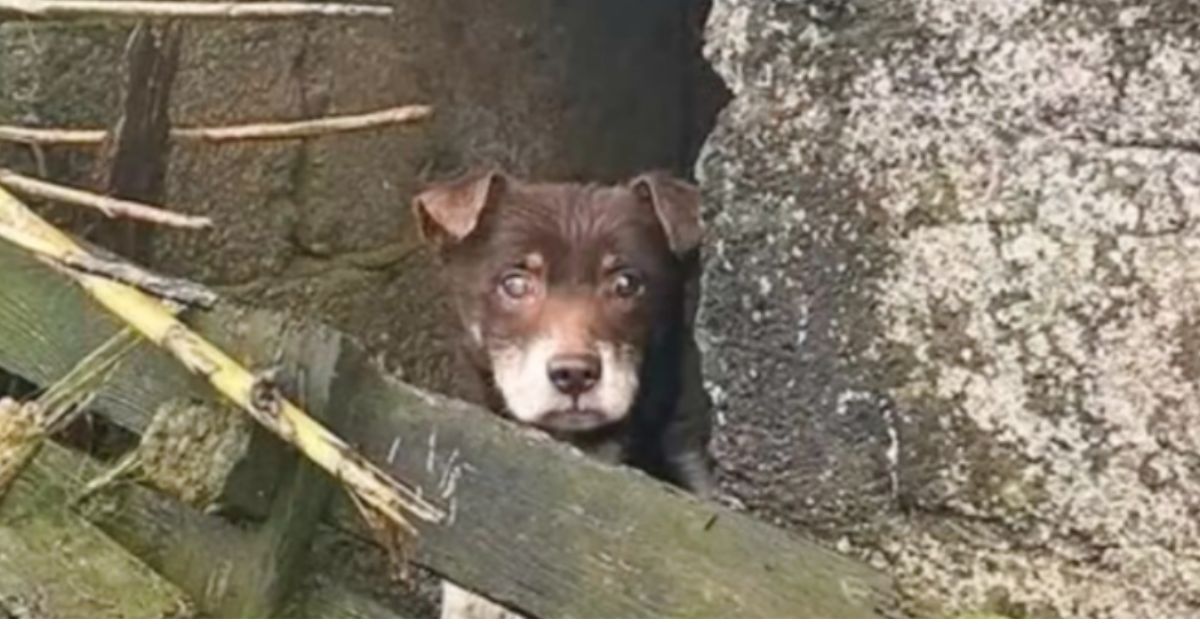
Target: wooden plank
58, 567
200, 554
276, 483
331, 602
535, 525
301, 490
55, 564
197, 553
543, 529
47, 325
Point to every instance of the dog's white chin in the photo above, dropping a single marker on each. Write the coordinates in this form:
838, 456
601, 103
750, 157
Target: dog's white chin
521, 376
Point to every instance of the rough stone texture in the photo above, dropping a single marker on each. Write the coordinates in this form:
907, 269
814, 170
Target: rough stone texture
59, 74
951, 314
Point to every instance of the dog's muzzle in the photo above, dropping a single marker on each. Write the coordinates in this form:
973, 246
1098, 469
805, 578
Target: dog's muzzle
576, 391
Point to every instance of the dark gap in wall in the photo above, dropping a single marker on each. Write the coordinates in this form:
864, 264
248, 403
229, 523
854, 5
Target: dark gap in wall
705, 93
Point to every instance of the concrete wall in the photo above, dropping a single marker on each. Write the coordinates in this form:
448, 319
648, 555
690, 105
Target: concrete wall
950, 310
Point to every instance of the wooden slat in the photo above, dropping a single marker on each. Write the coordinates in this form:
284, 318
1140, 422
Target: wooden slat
59, 567
55, 564
536, 525
199, 554
300, 490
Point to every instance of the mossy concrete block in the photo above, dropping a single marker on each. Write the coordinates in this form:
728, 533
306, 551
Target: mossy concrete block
60, 73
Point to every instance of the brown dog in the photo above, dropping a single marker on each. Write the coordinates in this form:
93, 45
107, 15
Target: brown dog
576, 304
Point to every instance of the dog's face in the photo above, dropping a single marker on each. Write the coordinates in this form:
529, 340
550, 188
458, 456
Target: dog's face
561, 288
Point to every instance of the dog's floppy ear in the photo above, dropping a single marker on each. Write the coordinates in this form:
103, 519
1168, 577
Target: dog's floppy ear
449, 212
677, 205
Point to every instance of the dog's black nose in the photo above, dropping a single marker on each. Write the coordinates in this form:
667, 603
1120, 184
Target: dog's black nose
574, 374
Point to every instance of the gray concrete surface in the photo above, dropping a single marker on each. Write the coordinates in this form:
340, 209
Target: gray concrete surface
950, 308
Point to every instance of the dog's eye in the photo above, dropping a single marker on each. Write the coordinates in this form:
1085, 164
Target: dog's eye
627, 284
516, 285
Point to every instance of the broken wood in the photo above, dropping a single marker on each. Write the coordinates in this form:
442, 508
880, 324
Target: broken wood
111, 207
24, 427
136, 154
176, 290
533, 524
71, 9
381, 494
20, 437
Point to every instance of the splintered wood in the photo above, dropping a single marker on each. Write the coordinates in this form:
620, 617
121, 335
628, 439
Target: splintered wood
24, 426
389, 497
20, 437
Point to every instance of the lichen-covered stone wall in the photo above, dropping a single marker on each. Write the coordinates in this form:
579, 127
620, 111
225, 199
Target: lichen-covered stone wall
951, 310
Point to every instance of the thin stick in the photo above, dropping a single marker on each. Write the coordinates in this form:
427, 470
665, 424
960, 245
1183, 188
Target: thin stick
56, 136
176, 290
305, 128
299, 129
199, 10
111, 207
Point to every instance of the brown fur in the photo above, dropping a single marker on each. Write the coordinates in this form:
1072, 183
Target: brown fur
577, 250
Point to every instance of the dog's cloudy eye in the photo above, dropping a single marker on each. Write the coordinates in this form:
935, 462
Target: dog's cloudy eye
627, 284
516, 285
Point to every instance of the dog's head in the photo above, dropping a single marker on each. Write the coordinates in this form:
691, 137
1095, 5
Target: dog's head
563, 288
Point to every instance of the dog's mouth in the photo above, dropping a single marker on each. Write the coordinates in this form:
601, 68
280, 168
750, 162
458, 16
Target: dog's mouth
575, 420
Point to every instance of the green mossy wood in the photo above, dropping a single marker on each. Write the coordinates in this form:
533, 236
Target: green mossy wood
534, 524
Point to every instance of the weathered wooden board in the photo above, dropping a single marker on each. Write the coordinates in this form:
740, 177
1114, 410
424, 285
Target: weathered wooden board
285, 489
58, 567
535, 525
199, 554
55, 564
329, 602
299, 490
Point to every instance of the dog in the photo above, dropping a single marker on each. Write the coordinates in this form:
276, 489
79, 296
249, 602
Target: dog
576, 304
